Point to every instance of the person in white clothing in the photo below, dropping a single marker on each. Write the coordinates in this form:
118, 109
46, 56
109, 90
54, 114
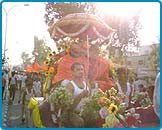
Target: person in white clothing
23, 79
6, 92
13, 85
79, 90
27, 94
37, 87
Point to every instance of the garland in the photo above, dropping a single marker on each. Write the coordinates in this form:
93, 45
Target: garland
72, 34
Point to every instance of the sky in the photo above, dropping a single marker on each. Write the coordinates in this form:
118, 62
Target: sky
25, 22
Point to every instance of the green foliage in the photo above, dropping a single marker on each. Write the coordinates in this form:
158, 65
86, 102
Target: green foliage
142, 98
92, 104
125, 37
26, 59
40, 50
126, 30
154, 56
61, 98
57, 10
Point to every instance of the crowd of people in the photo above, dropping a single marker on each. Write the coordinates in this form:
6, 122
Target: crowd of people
28, 84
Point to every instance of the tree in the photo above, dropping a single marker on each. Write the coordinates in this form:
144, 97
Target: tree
57, 10
154, 57
41, 50
26, 59
126, 35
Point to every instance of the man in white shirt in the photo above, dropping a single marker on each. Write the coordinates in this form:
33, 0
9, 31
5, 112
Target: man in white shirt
78, 89
37, 87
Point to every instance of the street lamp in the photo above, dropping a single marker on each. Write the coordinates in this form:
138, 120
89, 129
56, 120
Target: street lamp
7, 13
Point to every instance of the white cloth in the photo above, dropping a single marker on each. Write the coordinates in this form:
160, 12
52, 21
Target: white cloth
37, 88
94, 90
65, 82
78, 91
23, 79
29, 94
136, 89
118, 87
13, 80
127, 94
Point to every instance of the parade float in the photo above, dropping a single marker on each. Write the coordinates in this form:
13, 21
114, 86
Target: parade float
104, 109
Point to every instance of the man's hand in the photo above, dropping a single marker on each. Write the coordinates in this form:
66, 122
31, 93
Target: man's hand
84, 93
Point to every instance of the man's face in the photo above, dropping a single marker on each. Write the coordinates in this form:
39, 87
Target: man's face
93, 53
75, 50
78, 71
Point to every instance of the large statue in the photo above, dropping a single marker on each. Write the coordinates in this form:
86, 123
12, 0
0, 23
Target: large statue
63, 71
99, 69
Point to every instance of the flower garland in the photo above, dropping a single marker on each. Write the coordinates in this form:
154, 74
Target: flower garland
50, 72
72, 34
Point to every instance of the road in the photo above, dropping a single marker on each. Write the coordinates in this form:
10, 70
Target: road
14, 119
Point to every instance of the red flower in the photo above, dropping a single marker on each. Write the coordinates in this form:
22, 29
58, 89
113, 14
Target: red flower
132, 121
99, 122
119, 125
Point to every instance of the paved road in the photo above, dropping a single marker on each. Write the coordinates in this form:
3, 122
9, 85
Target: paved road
14, 114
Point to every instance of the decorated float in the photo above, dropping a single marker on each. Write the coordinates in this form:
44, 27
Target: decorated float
103, 109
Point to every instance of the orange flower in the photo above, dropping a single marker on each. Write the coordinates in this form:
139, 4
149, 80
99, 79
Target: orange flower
103, 101
51, 69
68, 50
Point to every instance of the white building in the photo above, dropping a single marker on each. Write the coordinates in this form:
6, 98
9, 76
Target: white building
140, 63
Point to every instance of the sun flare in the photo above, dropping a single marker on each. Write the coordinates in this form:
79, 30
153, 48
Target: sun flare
121, 9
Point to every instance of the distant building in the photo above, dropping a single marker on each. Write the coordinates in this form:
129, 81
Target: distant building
139, 63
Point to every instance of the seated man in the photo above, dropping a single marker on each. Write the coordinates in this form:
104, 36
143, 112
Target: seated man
78, 89
99, 69
63, 71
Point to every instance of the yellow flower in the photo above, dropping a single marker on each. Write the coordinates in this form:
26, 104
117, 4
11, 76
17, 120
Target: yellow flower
113, 109
100, 92
51, 70
76, 39
103, 101
59, 48
104, 125
54, 53
112, 98
68, 50
50, 55
112, 91
47, 73
111, 65
46, 62
118, 100
65, 46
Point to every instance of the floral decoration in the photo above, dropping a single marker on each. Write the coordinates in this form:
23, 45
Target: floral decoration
109, 109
